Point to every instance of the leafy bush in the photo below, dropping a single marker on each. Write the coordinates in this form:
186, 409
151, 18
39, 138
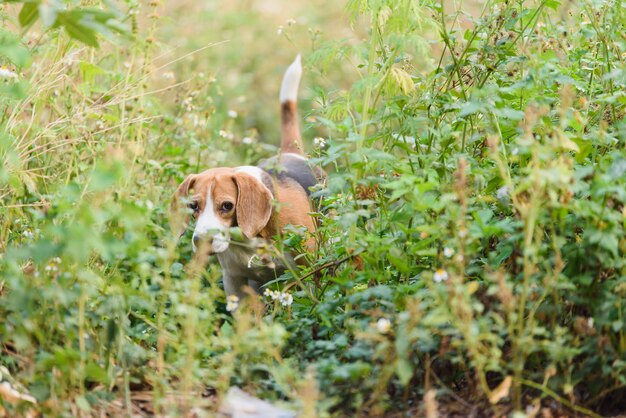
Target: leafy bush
471, 231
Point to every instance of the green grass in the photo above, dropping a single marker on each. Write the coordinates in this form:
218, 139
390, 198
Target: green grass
472, 247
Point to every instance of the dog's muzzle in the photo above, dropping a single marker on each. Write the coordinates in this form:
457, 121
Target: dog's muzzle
211, 244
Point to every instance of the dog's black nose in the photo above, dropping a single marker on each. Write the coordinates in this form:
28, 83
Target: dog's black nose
200, 239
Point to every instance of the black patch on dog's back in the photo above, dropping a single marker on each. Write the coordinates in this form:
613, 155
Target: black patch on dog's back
291, 166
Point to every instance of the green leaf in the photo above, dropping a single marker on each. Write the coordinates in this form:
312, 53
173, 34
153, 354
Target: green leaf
15, 90
508, 113
398, 259
469, 108
12, 49
553, 4
89, 70
28, 14
610, 243
504, 252
75, 28
82, 403
404, 370
96, 373
585, 148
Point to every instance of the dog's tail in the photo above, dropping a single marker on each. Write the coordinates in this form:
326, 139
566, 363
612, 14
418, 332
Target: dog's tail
290, 140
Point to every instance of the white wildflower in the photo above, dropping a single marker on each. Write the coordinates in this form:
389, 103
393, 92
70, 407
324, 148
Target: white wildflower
247, 140
462, 233
6, 73
232, 302
71, 59
502, 194
286, 299
32, 35
232, 114
448, 252
168, 75
53, 265
226, 134
187, 103
291, 22
383, 325
28, 233
280, 30
51, 268
319, 142
590, 322
252, 260
440, 276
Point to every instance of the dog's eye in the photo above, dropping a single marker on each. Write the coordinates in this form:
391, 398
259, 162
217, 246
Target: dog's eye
193, 206
226, 207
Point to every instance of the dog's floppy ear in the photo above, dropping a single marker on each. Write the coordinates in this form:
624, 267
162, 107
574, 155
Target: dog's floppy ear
254, 204
179, 214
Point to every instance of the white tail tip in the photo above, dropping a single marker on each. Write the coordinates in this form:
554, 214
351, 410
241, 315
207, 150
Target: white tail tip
291, 81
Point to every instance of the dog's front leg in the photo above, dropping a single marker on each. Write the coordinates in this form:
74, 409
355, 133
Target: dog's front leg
233, 285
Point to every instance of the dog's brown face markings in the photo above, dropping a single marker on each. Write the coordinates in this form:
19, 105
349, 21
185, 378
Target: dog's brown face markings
223, 195
222, 198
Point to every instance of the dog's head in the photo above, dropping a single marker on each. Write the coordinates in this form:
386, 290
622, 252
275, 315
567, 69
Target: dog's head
221, 198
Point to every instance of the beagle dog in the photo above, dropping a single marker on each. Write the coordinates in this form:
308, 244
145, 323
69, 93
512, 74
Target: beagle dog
260, 200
